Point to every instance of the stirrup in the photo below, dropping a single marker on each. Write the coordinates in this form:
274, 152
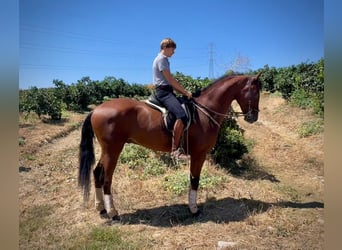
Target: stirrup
180, 155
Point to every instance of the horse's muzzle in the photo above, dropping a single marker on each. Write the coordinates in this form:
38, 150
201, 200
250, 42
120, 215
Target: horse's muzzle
252, 116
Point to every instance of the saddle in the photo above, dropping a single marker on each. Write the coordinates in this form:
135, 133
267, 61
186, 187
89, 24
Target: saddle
168, 118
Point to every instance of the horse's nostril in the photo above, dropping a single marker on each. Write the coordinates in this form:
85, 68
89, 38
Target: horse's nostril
251, 118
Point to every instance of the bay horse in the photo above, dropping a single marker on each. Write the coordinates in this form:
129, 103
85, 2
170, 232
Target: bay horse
125, 120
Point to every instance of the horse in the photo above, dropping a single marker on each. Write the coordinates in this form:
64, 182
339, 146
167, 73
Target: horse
127, 120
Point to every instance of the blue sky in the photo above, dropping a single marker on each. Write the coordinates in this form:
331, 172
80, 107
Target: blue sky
68, 40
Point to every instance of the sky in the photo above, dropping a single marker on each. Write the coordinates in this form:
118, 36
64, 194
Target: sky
68, 40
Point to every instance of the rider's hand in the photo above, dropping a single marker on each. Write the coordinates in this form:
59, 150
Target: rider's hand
189, 95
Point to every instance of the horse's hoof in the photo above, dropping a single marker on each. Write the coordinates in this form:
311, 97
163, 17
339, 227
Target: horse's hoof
103, 214
116, 219
197, 214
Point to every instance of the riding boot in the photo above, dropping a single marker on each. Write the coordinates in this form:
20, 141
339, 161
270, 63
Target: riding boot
177, 135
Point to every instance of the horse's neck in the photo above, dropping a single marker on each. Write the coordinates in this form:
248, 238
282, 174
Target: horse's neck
220, 96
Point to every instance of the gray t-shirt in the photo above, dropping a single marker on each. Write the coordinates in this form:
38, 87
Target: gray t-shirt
160, 63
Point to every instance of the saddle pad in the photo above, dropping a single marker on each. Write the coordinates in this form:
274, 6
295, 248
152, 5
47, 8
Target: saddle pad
162, 109
169, 119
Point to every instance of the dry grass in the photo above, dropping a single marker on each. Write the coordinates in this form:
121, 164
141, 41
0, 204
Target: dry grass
275, 201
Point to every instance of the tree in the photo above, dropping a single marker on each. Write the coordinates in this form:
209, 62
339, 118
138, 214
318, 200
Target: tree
267, 78
190, 83
42, 102
239, 64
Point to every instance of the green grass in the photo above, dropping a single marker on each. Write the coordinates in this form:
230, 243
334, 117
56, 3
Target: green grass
28, 118
107, 238
178, 182
35, 232
34, 221
154, 168
310, 128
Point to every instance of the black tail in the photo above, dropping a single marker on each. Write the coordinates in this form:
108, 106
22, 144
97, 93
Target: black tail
86, 157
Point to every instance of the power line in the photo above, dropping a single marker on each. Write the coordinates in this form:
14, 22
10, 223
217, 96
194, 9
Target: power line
211, 62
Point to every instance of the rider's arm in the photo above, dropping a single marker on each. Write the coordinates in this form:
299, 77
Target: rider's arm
175, 84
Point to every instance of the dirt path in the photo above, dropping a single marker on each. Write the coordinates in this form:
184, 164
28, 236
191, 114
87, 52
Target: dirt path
279, 148
279, 205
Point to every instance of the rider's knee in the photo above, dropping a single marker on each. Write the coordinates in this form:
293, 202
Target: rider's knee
184, 119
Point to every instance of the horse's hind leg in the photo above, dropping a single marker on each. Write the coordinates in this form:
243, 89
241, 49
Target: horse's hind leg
109, 159
99, 181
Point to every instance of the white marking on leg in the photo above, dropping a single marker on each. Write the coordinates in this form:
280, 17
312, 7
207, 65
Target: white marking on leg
99, 204
109, 205
192, 201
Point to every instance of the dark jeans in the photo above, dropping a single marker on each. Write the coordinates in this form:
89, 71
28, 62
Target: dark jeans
166, 96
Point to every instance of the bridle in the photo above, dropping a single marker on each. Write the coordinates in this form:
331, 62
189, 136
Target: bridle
204, 109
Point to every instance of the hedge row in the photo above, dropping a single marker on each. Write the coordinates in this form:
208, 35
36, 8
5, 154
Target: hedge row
303, 85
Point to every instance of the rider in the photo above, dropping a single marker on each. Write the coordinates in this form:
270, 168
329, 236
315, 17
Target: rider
165, 84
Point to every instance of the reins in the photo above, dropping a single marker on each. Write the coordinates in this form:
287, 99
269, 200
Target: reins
204, 109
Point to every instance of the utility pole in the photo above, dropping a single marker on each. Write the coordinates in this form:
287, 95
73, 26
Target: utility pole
211, 62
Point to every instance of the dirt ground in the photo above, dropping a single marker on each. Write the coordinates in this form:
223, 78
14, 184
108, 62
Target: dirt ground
277, 204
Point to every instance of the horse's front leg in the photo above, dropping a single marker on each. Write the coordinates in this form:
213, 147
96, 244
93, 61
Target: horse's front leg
195, 172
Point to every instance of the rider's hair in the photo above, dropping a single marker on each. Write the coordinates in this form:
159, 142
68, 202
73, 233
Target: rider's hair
167, 43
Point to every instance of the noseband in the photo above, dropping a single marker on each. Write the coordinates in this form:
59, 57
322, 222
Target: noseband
204, 109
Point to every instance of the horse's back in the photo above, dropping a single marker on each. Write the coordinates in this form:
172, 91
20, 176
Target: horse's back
132, 121
115, 107
115, 112
118, 104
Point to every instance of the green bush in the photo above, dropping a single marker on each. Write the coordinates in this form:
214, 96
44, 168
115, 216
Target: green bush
304, 99
300, 98
42, 102
230, 145
136, 156
190, 83
302, 84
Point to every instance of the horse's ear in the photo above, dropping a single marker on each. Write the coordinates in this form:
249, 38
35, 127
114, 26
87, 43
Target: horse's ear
257, 76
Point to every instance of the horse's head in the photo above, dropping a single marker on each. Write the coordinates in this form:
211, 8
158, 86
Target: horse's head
248, 98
